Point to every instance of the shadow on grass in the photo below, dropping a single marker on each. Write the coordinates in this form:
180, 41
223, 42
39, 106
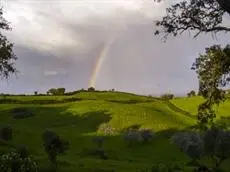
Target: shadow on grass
74, 127
38, 101
58, 118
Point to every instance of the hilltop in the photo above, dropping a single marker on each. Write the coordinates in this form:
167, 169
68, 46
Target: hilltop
78, 118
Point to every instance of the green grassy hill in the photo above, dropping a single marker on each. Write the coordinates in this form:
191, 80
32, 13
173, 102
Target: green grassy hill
79, 118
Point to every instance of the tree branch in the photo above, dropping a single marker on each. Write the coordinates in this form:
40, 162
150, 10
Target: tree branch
225, 5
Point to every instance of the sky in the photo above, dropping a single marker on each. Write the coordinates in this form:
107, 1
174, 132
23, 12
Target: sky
57, 43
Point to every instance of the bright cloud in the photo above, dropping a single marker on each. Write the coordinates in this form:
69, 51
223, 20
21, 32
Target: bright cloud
62, 38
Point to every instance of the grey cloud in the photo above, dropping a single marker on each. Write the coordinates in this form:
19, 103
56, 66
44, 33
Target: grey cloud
136, 62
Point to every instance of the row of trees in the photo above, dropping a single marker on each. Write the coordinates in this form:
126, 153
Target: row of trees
62, 91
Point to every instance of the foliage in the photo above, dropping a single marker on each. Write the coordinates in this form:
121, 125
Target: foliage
191, 93
54, 146
7, 56
189, 142
213, 69
6, 133
217, 144
167, 96
99, 140
35, 93
131, 136
99, 150
56, 91
91, 89
18, 161
147, 135
199, 16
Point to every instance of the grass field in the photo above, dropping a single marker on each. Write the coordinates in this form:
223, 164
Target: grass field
78, 119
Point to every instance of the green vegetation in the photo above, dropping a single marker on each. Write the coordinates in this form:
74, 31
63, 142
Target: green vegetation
129, 132
93, 114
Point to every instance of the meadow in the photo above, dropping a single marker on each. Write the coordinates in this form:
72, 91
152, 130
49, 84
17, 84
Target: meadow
81, 117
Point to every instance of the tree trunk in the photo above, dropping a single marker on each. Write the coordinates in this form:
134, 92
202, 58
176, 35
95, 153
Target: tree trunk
225, 4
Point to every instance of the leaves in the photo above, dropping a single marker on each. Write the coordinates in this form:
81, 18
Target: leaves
198, 16
213, 69
7, 56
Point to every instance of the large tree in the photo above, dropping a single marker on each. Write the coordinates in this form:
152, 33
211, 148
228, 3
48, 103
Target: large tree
7, 56
213, 67
199, 16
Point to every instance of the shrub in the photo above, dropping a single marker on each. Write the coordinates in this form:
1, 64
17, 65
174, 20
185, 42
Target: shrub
191, 93
99, 150
91, 89
189, 142
217, 144
167, 96
147, 135
132, 136
99, 140
6, 133
18, 161
54, 146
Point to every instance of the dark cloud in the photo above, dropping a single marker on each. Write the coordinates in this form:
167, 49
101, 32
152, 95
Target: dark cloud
58, 43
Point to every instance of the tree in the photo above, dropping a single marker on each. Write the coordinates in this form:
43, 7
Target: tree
60, 91
54, 146
56, 91
7, 56
200, 16
52, 91
213, 69
35, 93
191, 93
167, 96
91, 89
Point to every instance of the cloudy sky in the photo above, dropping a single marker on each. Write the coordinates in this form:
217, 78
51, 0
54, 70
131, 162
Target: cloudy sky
57, 43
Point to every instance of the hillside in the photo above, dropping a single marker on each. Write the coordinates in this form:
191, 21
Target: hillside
80, 117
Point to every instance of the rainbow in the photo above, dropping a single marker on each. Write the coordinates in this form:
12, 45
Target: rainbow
100, 59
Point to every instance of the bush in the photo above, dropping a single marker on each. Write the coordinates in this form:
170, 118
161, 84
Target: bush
98, 150
91, 89
18, 161
189, 142
54, 146
191, 93
217, 144
147, 135
6, 133
99, 140
132, 136
167, 96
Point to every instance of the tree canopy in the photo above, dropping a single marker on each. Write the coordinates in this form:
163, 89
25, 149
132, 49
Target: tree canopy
199, 16
56, 91
7, 56
213, 69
